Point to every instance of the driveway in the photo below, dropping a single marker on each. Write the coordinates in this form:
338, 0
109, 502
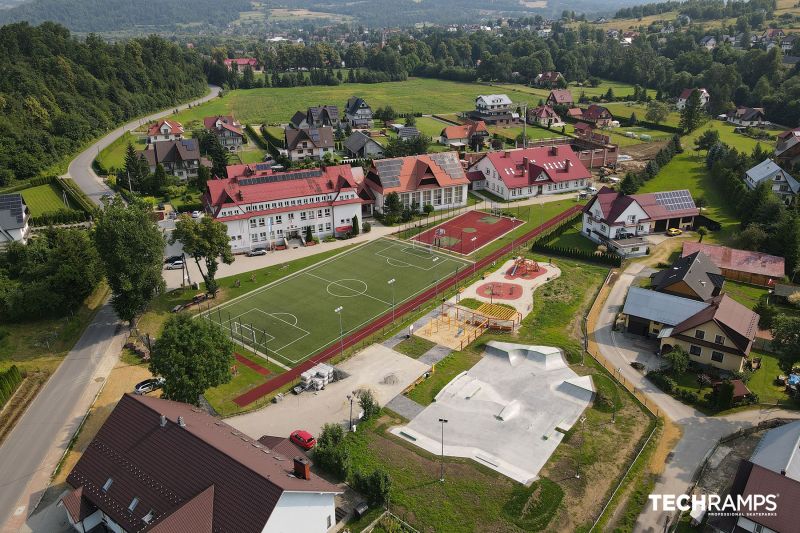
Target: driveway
700, 432
80, 169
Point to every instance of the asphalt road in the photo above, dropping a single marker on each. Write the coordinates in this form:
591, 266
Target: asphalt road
80, 169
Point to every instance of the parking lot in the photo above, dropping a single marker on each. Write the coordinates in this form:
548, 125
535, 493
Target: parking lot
369, 369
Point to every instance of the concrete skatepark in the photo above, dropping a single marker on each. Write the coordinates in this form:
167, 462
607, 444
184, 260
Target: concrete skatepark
508, 412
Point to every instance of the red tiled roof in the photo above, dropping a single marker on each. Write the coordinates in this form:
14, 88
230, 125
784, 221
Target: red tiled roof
227, 122
521, 167
760, 481
77, 506
464, 131
614, 203
584, 127
475, 175
543, 111
175, 128
739, 260
686, 93
575, 112
596, 112
561, 96
241, 61
738, 322
415, 172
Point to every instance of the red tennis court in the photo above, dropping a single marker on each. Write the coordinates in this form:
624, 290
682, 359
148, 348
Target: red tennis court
468, 232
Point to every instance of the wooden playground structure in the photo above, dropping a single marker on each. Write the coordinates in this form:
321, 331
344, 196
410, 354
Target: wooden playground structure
523, 267
456, 326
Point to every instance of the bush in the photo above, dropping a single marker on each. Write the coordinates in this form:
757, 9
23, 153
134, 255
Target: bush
605, 258
662, 381
368, 405
366, 227
9, 381
375, 486
62, 216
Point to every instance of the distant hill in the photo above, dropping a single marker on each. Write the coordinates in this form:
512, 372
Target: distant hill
116, 15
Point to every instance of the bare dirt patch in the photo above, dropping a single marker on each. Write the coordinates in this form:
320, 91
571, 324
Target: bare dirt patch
643, 152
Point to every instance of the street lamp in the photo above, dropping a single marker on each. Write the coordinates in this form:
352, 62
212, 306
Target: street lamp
474, 262
338, 311
351, 397
441, 474
391, 283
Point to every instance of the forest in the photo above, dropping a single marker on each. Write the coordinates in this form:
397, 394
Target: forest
113, 15
58, 92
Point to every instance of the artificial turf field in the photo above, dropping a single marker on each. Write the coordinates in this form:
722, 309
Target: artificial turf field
293, 318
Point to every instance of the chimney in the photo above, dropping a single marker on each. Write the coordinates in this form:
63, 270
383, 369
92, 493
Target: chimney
567, 164
163, 421
302, 470
554, 150
181, 422
525, 161
783, 472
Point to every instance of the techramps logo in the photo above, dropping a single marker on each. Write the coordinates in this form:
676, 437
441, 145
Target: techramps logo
716, 505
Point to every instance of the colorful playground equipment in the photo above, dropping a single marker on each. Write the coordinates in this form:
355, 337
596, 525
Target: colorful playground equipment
523, 266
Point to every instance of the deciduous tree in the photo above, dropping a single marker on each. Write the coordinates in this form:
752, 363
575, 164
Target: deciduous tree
204, 240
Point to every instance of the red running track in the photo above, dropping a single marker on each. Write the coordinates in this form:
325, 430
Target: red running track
385, 320
484, 233
251, 365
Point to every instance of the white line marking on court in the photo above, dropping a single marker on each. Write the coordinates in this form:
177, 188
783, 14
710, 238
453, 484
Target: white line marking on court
348, 288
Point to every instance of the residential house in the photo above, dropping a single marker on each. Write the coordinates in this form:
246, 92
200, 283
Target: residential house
709, 42
308, 143
262, 207
179, 158
584, 130
14, 217
358, 113
299, 120
549, 79
158, 465
544, 116
783, 184
526, 172
747, 117
693, 276
575, 113
361, 145
473, 134
686, 93
429, 179
772, 36
756, 268
227, 129
324, 115
164, 130
598, 115
406, 133
788, 42
647, 312
621, 221
787, 152
494, 109
560, 97
239, 64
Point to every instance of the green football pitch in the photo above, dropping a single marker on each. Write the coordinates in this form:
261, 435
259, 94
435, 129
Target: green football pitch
295, 317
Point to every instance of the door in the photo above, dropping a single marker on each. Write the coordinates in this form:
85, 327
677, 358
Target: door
638, 326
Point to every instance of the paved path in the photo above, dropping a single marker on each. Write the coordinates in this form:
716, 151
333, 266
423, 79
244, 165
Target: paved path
405, 406
29, 455
80, 169
700, 432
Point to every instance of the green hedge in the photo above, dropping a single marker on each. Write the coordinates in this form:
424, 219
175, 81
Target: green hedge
9, 381
77, 195
273, 143
257, 138
604, 258
62, 216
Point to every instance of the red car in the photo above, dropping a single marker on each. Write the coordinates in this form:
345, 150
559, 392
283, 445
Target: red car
304, 439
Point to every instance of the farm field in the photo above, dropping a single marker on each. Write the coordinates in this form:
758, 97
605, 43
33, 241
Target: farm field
44, 199
534, 93
294, 318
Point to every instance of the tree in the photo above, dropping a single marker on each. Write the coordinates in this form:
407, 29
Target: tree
678, 359
411, 120
158, 180
206, 240
203, 175
428, 209
691, 114
309, 235
132, 250
192, 356
375, 486
657, 112
355, 225
724, 395
368, 404
219, 158
707, 140
392, 208
786, 339
331, 452
629, 184
136, 170
702, 231
752, 237
633, 120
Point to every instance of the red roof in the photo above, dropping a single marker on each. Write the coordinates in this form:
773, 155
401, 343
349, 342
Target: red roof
614, 203
738, 322
175, 128
584, 127
561, 96
416, 172
686, 93
739, 260
464, 131
241, 61
522, 167
226, 122
575, 112
596, 112
543, 111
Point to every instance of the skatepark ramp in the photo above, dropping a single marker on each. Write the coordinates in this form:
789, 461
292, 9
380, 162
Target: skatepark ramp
548, 357
580, 388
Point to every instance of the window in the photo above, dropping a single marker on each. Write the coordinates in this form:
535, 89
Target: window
699, 334
107, 484
149, 516
717, 356
719, 339
695, 350
134, 503
278, 219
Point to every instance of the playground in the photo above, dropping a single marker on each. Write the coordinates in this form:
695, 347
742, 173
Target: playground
469, 232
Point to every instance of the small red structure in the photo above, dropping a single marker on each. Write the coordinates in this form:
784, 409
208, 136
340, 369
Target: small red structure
500, 291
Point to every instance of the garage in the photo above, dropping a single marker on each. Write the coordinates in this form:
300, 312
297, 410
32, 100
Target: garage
638, 326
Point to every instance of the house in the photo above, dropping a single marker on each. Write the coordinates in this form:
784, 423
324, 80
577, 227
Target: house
474, 135
686, 93
694, 276
308, 143
14, 217
358, 113
598, 115
772, 35
647, 312
406, 133
756, 268
494, 109
158, 465
575, 113
227, 129
709, 42
747, 116
325, 115
560, 97
787, 151
544, 116
787, 42
783, 184
526, 172
583, 130
429, 179
179, 158
611, 215
164, 130
239, 64
549, 79
299, 120
361, 145
262, 207
721, 335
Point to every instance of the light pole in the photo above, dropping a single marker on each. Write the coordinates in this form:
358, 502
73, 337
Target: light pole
351, 397
391, 283
474, 262
441, 474
338, 311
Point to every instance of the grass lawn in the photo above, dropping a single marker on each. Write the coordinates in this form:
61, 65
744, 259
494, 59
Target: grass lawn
44, 199
113, 157
414, 346
623, 110
747, 295
532, 132
620, 89
763, 382
572, 238
431, 127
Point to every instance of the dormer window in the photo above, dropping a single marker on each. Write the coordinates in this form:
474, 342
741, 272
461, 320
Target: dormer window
134, 503
699, 334
149, 516
107, 484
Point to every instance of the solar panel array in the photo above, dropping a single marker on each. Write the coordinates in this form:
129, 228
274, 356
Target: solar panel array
449, 163
389, 171
13, 204
263, 166
675, 200
275, 178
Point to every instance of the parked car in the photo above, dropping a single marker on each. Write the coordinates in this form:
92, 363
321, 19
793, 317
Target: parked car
196, 214
175, 265
303, 438
148, 385
591, 190
256, 251
172, 259
674, 232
